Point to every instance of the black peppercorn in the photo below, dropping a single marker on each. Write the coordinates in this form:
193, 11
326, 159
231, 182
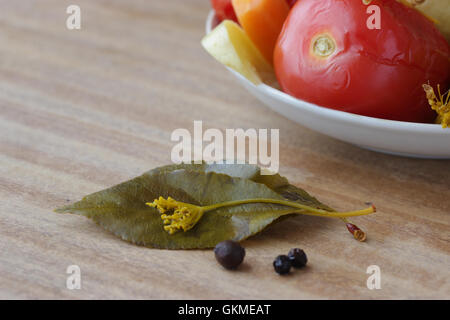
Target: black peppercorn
282, 264
298, 258
229, 254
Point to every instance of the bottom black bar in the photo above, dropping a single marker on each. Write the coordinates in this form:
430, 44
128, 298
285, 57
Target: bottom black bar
230, 309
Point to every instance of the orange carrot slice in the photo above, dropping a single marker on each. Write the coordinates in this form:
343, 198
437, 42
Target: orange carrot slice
262, 20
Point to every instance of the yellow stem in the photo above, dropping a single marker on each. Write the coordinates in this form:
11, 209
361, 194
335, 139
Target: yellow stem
308, 210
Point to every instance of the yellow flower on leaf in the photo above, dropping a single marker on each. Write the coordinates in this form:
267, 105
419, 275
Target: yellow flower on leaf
184, 215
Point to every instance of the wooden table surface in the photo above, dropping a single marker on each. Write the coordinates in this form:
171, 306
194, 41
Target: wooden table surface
86, 109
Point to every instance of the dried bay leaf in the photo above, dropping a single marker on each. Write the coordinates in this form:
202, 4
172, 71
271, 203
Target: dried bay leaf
121, 209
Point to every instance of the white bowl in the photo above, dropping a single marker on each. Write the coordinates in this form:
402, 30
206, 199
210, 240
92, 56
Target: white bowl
394, 137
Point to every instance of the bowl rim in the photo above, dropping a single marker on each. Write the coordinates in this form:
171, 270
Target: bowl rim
393, 125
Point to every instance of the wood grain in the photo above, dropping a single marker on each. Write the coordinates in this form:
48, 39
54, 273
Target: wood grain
84, 110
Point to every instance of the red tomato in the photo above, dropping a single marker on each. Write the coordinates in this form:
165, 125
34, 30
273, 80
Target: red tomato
224, 10
326, 54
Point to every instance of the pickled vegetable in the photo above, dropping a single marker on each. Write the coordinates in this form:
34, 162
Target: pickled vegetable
229, 44
262, 20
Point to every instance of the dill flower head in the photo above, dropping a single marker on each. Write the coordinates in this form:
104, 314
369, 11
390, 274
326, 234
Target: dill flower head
440, 104
182, 216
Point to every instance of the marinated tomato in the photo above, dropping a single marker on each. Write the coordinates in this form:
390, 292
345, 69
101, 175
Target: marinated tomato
326, 54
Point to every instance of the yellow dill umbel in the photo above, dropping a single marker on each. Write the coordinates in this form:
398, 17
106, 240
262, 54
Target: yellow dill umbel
440, 104
184, 215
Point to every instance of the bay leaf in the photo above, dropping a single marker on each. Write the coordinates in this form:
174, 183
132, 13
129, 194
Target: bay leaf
121, 209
